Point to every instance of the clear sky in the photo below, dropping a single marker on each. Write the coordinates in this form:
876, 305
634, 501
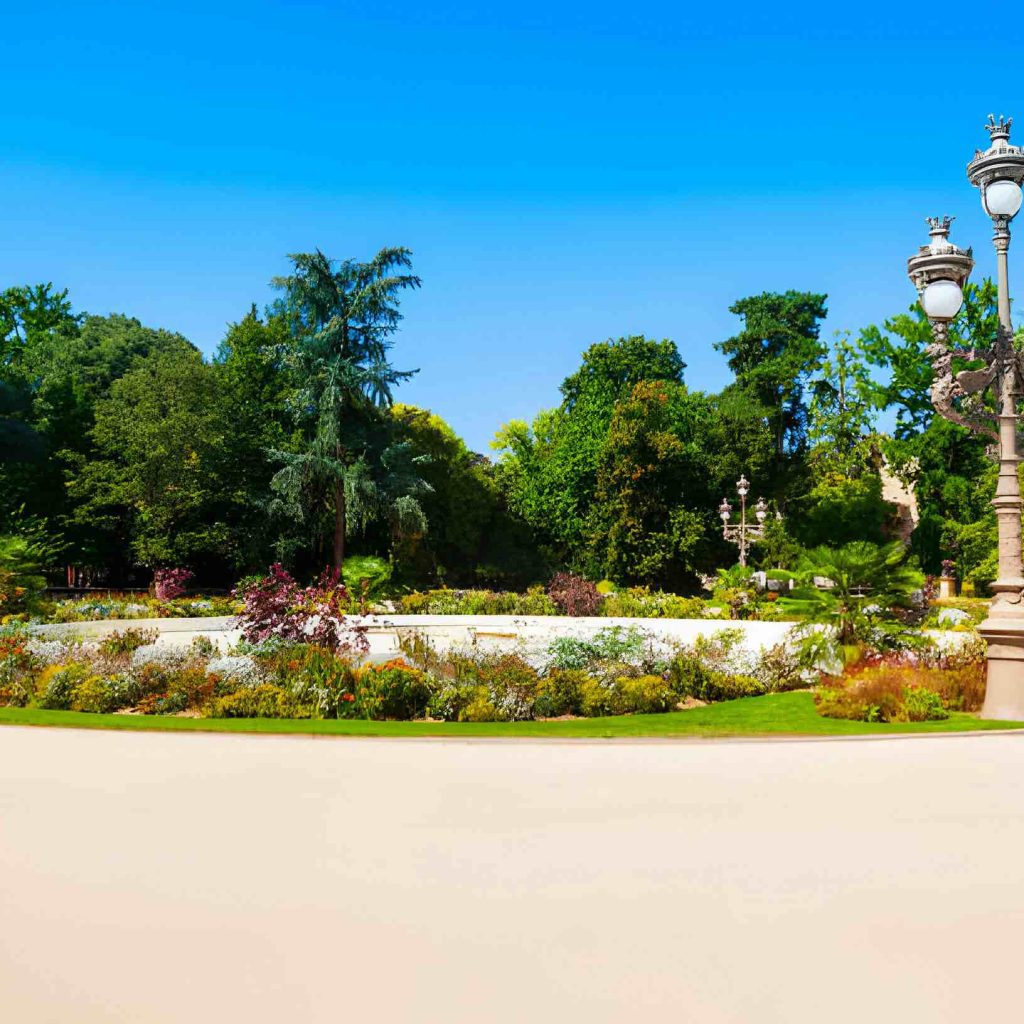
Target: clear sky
564, 172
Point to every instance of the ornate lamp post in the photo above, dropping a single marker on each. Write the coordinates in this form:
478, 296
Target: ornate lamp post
743, 533
940, 270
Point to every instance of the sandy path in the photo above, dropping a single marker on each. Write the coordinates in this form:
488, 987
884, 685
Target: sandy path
159, 878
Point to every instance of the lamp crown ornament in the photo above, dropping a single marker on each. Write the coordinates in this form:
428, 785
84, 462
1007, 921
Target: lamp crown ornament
998, 131
940, 225
938, 229
1001, 162
940, 259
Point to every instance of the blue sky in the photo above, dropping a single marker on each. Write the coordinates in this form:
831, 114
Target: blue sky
564, 172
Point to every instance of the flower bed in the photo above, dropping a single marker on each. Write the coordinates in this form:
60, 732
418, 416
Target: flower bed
132, 606
919, 687
619, 671
631, 602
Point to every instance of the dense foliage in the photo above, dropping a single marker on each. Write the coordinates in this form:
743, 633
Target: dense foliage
124, 452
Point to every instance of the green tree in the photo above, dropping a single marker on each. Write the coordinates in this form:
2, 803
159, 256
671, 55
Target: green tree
774, 356
30, 312
844, 502
549, 469
30, 317
899, 348
255, 396
65, 364
472, 537
952, 476
342, 316
643, 533
160, 453
841, 411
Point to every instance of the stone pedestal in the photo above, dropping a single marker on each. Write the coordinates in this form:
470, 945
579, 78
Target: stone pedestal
947, 587
1004, 692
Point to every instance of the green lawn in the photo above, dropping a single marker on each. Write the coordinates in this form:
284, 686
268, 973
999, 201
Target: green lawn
783, 714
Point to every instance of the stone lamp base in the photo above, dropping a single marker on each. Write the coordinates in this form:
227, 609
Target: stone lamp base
1004, 692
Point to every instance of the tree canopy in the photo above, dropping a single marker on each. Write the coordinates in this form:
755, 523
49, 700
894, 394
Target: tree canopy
123, 449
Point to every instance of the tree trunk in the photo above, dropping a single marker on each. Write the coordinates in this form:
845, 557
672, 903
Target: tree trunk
339, 526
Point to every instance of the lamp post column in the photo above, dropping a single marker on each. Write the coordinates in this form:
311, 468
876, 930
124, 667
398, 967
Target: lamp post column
997, 173
1003, 630
743, 528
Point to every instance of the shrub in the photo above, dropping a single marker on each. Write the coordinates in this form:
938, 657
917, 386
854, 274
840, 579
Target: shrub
321, 679
189, 687
960, 689
168, 686
366, 576
512, 684
235, 670
394, 690
148, 679
263, 701
882, 693
119, 606
636, 602
277, 606
923, 705
574, 595
691, 676
96, 694
163, 656
610, 644
203, 647
479, 707
18, 659
57, 683
22, 583
570, 652
596, 700
560, 692
170, 583
127, 641
47, 652
780, 668
450, 700
642, 695
477, 602
640, 602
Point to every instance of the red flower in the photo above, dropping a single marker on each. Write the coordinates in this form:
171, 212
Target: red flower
348, 696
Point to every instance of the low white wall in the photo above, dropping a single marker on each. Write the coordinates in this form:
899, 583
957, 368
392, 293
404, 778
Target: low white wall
530, 634
488, 632
171, 631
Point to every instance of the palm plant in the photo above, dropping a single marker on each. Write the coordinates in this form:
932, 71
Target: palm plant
858, 575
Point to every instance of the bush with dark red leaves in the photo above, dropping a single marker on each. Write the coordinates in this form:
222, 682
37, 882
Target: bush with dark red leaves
170, 583
277, 607
574, 595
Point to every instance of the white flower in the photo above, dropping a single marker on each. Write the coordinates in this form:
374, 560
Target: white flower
47, 652
155, 654
239, 668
